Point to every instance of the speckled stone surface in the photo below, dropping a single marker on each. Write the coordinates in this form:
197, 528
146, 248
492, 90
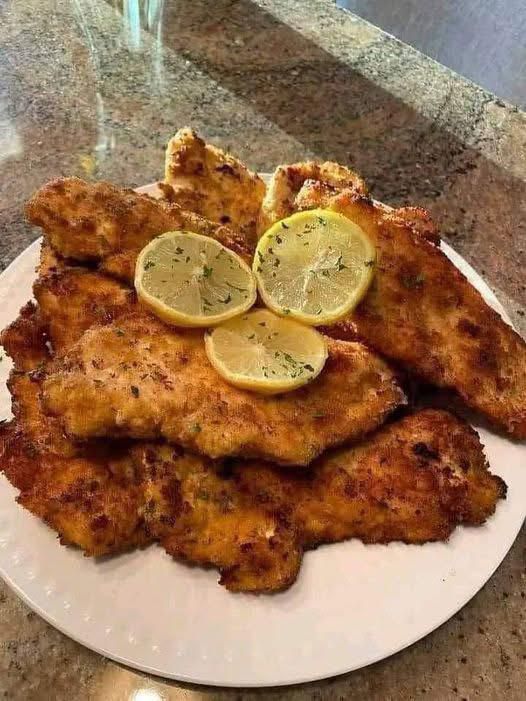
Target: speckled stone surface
85, 91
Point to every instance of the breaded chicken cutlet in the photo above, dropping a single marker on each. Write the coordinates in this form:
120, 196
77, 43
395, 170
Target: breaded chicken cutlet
140, 379
422, 313
206, 180
413, 481
107, 225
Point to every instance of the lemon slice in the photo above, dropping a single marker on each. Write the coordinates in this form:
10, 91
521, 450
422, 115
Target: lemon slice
315, 265
266, 353
191, 280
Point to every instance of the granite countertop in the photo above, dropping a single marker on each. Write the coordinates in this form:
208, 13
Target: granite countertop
86, 90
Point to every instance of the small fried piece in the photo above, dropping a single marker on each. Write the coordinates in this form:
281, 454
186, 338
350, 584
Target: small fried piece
422, 313
142, 379
214, 184
288, 180
102, 223
24, 340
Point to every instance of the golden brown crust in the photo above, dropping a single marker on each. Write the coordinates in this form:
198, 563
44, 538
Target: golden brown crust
102, 223
421, 312
144, 380
73, 299
212, 183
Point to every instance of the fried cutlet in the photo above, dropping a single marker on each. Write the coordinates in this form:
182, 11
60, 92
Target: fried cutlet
206, 180
141, 379
423, 314
289, 182
104, 224
414, 481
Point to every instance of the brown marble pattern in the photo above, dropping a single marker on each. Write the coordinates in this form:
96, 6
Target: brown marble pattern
85, 90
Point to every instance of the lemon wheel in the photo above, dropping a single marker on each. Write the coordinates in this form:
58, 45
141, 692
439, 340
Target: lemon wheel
315, 266
266, 353
191, 280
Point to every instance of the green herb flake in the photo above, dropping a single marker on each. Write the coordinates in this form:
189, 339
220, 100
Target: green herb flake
195, 428
207, 271
308, 367
227, 299
369, 263
119, 332
318, 415
179, 250
135, 391
283, 226
339, 264
149, 264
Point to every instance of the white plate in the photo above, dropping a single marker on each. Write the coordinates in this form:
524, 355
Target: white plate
352, 604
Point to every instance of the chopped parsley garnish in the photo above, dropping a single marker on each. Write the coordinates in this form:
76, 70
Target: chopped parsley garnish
279, 239
339, 263
251, 337
179, 250
308, 367
369, 263
149, 264
227, 299
286, 311
207, 271
262, 323
134, 391
195, 428
322, 221
283, 226
119, 332
318, 415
